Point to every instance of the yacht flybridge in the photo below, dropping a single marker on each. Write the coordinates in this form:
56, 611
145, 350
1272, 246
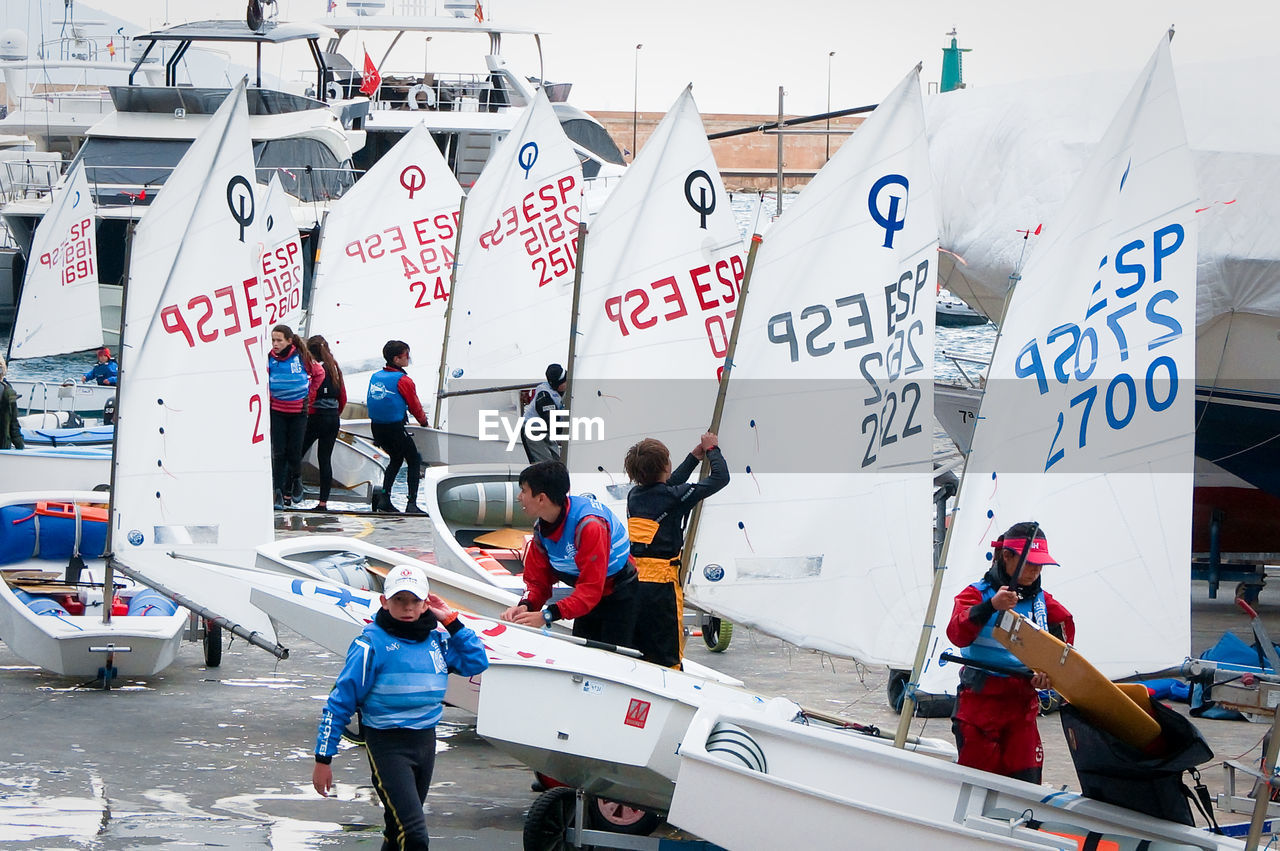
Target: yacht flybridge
468, 112
129, 154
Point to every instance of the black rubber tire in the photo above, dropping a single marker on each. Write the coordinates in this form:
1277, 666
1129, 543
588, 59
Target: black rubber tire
212, 644
716, 633
927, 705
896, 688
617, 817
548, 820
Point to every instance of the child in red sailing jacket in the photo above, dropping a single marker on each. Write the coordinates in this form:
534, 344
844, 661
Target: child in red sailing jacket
995, 715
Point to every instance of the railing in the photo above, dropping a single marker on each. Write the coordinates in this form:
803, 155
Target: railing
27, 179
960, 360
442, 93
77, 101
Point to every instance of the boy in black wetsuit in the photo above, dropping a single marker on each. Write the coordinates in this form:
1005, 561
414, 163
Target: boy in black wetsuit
657, 509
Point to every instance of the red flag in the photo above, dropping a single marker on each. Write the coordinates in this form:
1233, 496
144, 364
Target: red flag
111, 47
479, 12
372, 79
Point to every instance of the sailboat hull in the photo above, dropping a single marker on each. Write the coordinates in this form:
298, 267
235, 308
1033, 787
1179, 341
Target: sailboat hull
63, 644
833, 787
612, 726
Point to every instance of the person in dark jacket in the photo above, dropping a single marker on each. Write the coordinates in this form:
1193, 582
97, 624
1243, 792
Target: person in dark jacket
547, 397
10, 429
396, 674
995, 715
391, 399
657, 510
105, 372
323, 419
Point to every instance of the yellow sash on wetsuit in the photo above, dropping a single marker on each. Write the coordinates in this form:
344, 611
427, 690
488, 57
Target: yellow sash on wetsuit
667, 570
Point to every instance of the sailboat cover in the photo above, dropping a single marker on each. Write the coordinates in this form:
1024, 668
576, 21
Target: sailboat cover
661, 272
514, 285
60, 311
823, 535
1087, 421
387, 256
192, 465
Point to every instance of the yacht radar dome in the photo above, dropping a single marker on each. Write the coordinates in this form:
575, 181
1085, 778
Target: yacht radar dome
13, 44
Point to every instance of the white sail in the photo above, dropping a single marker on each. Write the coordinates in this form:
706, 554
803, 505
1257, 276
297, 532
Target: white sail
510, 315
192, 466
822, 537
1087, 422
281, 270
386, 256
661, 273
60, 311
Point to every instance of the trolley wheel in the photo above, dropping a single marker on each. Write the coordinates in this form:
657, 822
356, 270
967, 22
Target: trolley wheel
547, 824
617, 817
716, 633
896, 688
212, 644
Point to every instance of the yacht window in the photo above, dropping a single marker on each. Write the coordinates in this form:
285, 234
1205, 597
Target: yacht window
308, 170
129, 162
593, 137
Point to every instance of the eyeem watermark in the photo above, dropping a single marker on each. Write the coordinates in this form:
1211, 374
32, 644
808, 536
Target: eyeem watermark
563, 427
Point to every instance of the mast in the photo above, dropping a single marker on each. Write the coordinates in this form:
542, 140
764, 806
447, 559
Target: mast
756, 239
448, 310
573, 327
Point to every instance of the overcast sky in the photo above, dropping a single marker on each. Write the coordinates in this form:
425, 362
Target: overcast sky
737, 52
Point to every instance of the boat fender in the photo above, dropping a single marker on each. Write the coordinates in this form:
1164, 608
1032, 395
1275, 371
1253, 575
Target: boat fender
486, 504
41, 605
345, 568
736, 744
148, 602
40, 531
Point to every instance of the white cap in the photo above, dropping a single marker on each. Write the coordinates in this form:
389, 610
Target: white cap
406, 577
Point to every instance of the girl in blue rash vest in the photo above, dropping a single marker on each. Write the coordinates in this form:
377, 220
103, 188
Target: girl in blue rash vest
395, 674
292, 377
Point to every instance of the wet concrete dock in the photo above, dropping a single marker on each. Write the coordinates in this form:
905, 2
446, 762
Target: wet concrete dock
200, 757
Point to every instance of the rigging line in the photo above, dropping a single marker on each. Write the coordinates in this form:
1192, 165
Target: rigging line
1226, 338
1246, 449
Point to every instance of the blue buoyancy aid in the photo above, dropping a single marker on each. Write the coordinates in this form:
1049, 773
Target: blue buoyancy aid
985, 648
384, 401
287, 378
561, 553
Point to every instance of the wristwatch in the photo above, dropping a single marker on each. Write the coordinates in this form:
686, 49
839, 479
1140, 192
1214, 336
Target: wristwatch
547, 617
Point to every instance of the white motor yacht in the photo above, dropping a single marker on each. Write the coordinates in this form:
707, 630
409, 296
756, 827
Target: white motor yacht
467, 111
130, 152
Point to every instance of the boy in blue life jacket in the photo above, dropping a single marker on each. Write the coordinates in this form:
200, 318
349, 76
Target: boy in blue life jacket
995, 716
396, 674
105, 372
578, 541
